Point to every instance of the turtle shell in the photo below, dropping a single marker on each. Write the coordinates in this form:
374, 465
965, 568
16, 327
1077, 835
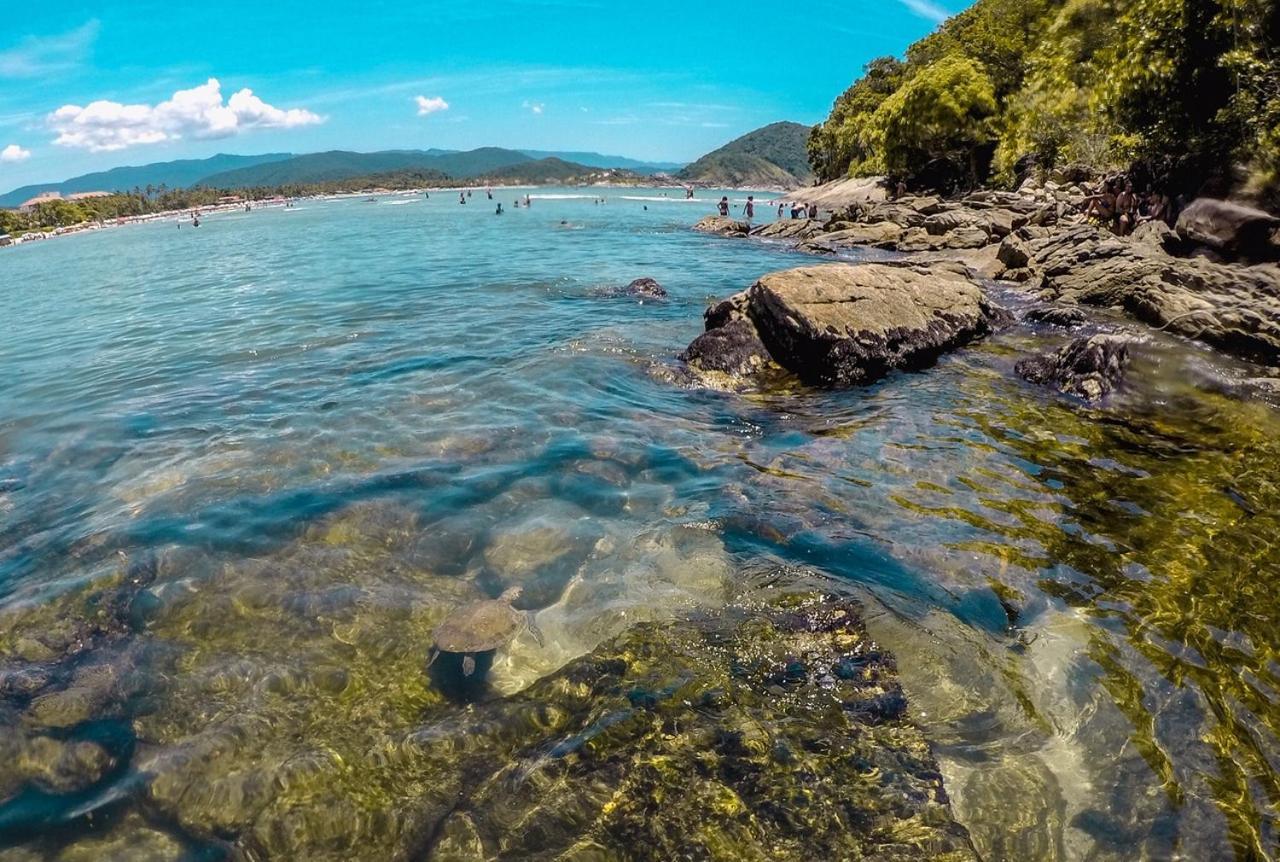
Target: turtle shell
478, 627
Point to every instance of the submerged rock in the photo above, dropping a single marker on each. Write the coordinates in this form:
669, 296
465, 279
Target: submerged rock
851, 324
730, 356
1089, 368
777, 732
645, 288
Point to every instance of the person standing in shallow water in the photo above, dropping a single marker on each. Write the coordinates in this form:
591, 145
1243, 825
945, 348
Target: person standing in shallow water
750, 209
724, 206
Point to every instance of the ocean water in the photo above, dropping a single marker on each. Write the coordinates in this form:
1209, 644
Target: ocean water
246, 468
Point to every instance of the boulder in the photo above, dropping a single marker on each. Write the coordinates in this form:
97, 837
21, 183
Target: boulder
882, 234
723, 226
1232, 307
1229, 228
646, 288
845, 324
1088, 368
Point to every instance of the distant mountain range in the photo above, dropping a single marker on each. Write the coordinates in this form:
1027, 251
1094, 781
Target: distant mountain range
177, 175
274, 169
772, 156
776, 155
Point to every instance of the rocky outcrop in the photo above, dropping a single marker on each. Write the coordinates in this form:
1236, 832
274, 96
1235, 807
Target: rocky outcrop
1230, 229
1233, 308
845, 324
1067, 317
731, 356
800, 228
723, 226
1088, 368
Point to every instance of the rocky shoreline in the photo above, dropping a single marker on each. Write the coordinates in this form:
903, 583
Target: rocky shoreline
1213, 279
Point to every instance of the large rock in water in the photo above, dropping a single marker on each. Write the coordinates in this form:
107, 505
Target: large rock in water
1232, 307
850, 324
1229, 228
723, 226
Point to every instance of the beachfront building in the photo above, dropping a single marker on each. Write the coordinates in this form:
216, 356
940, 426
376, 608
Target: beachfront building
80, 196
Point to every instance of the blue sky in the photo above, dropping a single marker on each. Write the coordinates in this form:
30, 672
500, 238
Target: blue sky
90, 86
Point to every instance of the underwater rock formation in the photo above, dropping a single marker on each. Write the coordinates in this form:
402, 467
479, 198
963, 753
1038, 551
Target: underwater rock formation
1089, 368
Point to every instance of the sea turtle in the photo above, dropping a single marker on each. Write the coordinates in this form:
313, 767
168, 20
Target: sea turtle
481, 627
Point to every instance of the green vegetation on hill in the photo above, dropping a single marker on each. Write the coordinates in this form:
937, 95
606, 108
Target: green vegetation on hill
1188, 89
175, 174
771, 156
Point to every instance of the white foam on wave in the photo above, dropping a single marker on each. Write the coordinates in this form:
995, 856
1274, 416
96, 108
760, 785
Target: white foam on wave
662, 200
399, 203
564, 197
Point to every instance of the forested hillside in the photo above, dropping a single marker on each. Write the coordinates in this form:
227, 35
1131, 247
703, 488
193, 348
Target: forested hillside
1189, 89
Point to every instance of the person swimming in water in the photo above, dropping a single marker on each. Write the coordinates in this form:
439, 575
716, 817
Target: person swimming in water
499, 210
724, 205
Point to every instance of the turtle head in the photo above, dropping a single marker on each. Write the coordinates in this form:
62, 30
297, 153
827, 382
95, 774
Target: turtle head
511, 594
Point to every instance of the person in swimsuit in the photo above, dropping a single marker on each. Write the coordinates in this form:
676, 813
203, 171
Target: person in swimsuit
813, 210
724, 206
1126, 210
750, 211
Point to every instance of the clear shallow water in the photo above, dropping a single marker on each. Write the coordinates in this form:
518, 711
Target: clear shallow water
293, 439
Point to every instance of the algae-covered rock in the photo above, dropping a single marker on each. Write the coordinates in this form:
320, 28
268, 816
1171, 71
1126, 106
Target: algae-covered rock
772, 732
1089, 368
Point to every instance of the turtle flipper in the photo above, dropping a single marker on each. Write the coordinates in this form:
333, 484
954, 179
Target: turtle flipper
435, 654
468, 664
535, 631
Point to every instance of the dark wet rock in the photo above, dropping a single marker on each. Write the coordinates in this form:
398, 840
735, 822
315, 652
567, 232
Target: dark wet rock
1230, 229
723, 226
730, 356
1089, 368
733, 308
646, 288
1232, 307
848, 324
1067, 317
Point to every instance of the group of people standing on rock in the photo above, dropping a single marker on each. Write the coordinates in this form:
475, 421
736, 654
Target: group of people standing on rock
798, 210
1117, 207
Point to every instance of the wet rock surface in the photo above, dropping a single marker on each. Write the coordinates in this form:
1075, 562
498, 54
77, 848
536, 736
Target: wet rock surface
723, 226
845, 324
1089, 368
646, 288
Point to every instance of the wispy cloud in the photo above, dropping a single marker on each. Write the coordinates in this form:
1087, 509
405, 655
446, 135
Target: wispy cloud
927, 9
14, 153
36, 56
429, 106
105, 126
533, 107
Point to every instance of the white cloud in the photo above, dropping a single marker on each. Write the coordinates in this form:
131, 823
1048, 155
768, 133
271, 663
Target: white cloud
46, 55
105, 126
14, 153
535, 107
927, 9
426, 106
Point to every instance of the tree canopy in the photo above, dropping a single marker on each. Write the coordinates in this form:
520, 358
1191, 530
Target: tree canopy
1190, 88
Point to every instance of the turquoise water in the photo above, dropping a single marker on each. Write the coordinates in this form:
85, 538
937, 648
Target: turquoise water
286, 442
